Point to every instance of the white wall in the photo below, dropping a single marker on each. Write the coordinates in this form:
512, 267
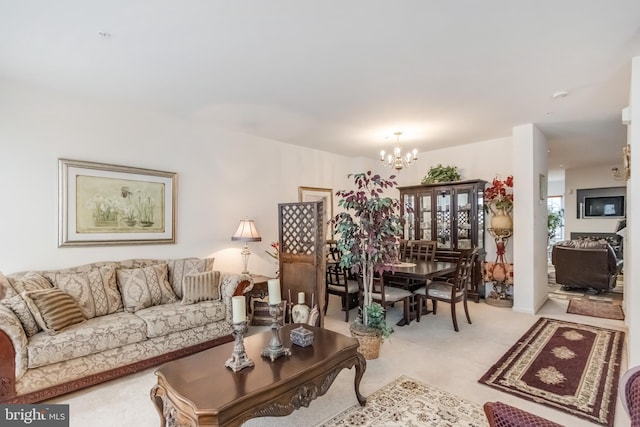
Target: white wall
222, 177
530, 220
632, 245
581, 178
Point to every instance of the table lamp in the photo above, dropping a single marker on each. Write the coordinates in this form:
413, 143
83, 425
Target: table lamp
246, 232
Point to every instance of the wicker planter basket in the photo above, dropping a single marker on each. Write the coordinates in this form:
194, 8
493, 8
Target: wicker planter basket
370, 341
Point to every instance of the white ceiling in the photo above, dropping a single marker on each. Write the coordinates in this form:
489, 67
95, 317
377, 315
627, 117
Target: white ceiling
342, 76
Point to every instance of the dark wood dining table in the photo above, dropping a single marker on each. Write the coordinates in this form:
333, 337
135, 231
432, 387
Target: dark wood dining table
421, 269
407, 274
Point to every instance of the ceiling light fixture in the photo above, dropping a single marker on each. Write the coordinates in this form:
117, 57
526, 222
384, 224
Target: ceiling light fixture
398, 161
560, 94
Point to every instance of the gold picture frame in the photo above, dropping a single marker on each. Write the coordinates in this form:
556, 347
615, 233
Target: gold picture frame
104, 204
315, 194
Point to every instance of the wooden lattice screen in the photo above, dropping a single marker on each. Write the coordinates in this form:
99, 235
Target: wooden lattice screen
302, 252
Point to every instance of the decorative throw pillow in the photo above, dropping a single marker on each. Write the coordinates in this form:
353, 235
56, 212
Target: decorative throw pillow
180, 268
261, 316
7, 290
31, 282
95, 291
53, 309
21, 310
201, 287
145, 287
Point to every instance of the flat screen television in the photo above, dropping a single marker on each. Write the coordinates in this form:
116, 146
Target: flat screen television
604, 207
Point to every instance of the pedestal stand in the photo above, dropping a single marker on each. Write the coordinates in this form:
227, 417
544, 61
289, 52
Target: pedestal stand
499, 295
275, 348
239, 359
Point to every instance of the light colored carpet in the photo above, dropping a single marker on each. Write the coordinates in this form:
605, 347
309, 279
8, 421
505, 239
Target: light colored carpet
429, 352
407, 402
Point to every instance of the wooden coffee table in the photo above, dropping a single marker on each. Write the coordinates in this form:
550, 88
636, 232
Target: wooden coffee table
199, 390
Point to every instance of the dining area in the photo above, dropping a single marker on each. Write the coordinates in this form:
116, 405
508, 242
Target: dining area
421, 273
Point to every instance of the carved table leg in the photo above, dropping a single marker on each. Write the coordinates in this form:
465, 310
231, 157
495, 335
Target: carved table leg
361, 366
156, 391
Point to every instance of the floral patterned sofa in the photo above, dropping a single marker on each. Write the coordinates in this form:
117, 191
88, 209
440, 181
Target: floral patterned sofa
135, 314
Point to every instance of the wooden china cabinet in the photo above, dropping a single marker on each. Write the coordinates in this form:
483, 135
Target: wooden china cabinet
453, 215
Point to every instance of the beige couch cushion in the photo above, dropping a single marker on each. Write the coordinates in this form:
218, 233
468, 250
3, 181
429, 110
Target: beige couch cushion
22, 312
30, 282
145, 287
95, 291
201, 287
93, 336
168, 318
180, 268
53, 309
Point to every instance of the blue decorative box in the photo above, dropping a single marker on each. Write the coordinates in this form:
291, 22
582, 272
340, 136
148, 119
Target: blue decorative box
301, 336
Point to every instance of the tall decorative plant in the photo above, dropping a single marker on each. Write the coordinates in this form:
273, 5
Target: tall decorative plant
554, 221
369, 229
499, 196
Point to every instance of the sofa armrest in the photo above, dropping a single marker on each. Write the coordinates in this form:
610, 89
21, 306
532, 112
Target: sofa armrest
228, 284
13, 352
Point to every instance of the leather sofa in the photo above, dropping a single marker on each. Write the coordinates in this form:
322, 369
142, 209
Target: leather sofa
126, 323
586, 264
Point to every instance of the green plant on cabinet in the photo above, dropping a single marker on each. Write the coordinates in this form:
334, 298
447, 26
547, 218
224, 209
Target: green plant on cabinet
439, 173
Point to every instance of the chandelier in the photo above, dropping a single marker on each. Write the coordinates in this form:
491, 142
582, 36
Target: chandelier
396, 160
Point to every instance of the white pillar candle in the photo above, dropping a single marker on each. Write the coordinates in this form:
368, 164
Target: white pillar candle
300, 297
238, 309
274, 291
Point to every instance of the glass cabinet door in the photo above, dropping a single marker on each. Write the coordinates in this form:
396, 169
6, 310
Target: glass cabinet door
443, 220
409, 209
464, 217
425, 216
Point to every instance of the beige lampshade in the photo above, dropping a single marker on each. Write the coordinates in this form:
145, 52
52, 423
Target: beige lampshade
247, 232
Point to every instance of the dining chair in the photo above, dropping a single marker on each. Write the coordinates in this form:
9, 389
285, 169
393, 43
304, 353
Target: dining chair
338, 283
403, 250
451, 290
387, 296
422, 250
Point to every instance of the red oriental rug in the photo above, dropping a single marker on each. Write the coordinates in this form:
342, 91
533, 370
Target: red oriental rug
567, 366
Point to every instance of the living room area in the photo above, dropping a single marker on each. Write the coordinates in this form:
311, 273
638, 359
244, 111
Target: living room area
239, 157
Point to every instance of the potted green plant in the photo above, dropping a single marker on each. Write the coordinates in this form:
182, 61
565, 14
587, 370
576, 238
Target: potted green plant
554, 221
368, 230
441, 173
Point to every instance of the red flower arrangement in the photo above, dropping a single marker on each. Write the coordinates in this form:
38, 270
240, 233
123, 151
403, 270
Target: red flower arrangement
276, 253
500, 195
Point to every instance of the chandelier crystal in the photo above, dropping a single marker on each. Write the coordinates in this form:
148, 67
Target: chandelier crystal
397, 160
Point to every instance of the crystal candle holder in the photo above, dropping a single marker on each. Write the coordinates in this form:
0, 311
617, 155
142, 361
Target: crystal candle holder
275, 348
239, 359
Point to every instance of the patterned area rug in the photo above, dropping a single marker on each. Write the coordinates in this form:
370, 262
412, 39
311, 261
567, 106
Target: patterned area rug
568, 366
595, 309
406, 402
